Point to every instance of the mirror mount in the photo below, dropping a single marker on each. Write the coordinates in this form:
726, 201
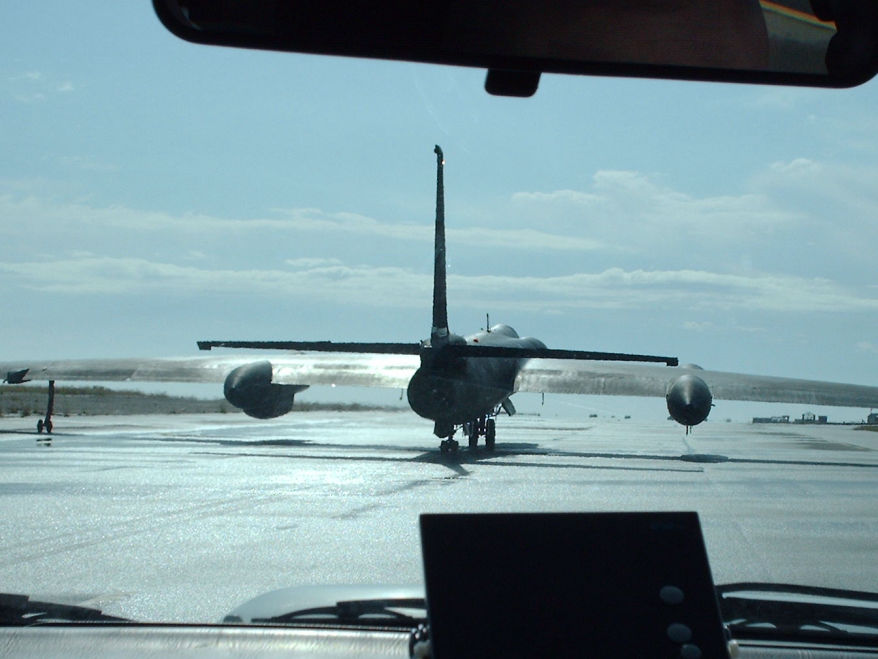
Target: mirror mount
521, 84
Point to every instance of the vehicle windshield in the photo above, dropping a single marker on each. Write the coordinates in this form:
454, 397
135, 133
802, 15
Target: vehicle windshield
155, 192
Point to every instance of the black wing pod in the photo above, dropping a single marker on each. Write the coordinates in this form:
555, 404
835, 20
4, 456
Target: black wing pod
250, 388
689, 400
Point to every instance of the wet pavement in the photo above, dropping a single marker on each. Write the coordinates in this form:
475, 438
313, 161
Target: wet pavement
183, 517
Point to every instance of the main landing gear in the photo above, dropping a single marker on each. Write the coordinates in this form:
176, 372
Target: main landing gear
484, 426
46, 424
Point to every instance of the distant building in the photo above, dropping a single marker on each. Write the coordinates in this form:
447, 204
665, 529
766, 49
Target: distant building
772, 419
810, 417
872, 418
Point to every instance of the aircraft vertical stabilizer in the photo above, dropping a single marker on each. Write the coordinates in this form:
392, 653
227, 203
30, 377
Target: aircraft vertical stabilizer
439, 330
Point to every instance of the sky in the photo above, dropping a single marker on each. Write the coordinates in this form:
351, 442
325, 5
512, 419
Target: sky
155, 192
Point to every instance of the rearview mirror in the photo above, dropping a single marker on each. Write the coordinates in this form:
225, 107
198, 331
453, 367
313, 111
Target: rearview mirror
803, 42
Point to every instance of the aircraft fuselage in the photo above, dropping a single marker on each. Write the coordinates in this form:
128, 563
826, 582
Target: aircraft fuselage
452, 390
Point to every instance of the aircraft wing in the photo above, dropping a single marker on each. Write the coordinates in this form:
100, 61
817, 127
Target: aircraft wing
351, 369
623, 379
368, 370
395, 370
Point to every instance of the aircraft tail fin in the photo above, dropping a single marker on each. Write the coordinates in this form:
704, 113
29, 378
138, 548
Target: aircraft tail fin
439, 333
439, 329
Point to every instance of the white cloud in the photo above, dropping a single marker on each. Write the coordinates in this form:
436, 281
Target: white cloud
798, 215
615, 288
32, 76
32, 97
696, 326
635, 209
34, 214
306, 263
839, 202
105, 275
796, 167
327, 279
562, 196
34, 86
620, 207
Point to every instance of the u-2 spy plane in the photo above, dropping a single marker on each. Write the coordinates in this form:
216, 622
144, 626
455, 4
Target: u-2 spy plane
458, 382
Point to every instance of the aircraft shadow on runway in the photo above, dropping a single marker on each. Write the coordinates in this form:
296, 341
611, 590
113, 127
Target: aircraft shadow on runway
457, 462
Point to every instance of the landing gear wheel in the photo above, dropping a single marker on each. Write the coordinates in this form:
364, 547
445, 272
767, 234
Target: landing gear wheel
48, 426
473, 434
490, 434
448, 446
39, 425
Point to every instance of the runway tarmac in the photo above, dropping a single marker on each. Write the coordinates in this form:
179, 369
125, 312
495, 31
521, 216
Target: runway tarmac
181, 518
